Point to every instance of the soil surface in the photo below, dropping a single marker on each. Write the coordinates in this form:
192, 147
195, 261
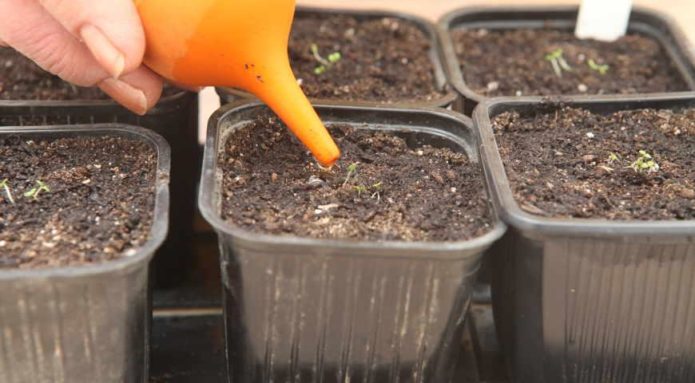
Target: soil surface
381, 189
516, 62
98, 206
22, 79
573, 163
382, 59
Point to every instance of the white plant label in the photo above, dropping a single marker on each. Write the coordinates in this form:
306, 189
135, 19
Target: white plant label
604, 20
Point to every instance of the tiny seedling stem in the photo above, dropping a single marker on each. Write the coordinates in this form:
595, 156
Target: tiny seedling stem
360, 189
317, 56
564, 64
377, 190
325, 63
558, 62
600, 68
352, 169
36, 190
556, 68
8, 192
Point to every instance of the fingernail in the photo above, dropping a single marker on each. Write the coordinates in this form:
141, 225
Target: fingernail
125, 94
106, 54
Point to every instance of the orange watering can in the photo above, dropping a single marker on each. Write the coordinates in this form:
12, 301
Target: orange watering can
234, 43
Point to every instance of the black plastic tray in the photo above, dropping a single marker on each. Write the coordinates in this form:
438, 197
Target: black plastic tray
228, 95
588, 300
329, 298
188, 343
188, 347
642, 21
175, 117
89, 323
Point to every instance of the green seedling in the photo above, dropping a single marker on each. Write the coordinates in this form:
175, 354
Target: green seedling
334, 57
8, 192
351, 170
600, 68
612, 157
317, 56
645, 163
36, 190
558, 62
325, 63
554, 55
360, 189
377, 190
319, 70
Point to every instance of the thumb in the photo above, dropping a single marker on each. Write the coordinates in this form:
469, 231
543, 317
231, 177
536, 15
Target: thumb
111, 30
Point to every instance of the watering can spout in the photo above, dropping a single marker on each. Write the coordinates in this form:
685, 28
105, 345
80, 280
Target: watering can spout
234, 43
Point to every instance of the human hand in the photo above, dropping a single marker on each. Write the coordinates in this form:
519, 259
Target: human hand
85, 42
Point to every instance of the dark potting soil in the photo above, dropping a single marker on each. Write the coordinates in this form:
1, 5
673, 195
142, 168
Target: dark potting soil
381, 189
515, 62
573, 163
382, 59
98, 206
22, 79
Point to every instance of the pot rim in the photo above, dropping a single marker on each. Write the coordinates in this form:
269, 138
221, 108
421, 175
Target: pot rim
160, 217
165, 105
299, 245
437, 58
677, 50
500, 187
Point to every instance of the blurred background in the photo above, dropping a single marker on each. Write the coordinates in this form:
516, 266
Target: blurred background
682, 11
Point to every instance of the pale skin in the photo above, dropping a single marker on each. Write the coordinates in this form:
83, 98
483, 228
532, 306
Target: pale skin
85, 42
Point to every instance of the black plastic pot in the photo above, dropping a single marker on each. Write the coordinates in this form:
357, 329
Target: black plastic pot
83, 324
299, 309
642, 21
175, 118
228, 95
588, 300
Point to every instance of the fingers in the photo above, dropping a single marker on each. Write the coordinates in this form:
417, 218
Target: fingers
138, 91
110, 29
85, 42
106, 54
37, 35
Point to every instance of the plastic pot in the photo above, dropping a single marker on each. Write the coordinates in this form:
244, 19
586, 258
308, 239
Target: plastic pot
299, 309
83, 324
228, 95
175, 117
642, 21
590, 300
